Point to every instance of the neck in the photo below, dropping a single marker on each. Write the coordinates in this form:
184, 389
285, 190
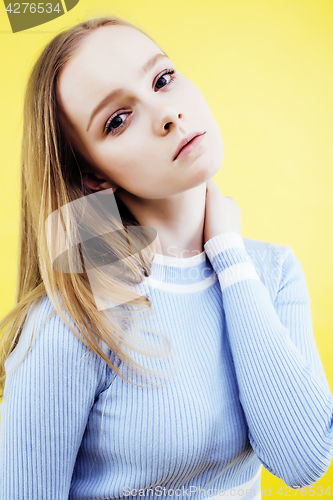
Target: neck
178, 219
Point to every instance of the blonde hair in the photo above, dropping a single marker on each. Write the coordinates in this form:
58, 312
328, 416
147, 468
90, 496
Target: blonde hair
51, 177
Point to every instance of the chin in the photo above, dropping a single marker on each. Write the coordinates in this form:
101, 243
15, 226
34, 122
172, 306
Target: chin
208, 169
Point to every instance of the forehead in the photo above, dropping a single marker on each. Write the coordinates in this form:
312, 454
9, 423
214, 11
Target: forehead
117, 44
106, 59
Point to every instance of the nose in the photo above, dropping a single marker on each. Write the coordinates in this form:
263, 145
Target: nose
165, 117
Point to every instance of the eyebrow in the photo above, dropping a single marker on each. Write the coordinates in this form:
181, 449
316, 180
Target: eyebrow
115, 94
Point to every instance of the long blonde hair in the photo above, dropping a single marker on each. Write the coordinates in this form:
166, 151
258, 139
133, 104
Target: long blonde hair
51, 177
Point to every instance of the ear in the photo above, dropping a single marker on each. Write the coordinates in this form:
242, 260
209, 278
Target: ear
92, 181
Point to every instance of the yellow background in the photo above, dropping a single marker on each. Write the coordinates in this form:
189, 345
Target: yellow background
265, 68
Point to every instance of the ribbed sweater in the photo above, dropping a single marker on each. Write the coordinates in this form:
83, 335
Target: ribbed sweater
247, 389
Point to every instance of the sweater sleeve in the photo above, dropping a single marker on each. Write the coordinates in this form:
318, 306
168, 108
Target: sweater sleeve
282, 384
46, 403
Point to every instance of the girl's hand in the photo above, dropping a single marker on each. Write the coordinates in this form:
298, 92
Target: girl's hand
222, 214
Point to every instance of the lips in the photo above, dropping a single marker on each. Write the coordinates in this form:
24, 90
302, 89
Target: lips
185, 141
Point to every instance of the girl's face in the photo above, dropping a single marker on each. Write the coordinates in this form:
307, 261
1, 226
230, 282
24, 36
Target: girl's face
127, 108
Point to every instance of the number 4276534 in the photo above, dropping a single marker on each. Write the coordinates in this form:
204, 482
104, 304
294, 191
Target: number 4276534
311, 491
33, 8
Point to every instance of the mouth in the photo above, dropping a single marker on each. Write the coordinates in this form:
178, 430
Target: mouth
189, 139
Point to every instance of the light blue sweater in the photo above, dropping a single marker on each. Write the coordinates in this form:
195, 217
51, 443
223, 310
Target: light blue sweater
249, 389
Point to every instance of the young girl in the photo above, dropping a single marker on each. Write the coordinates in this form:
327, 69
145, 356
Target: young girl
241, 384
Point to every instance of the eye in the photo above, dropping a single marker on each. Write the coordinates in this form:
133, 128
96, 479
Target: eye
114, 123
162, 79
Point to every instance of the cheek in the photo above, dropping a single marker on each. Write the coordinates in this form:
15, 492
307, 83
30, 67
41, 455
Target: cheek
123, 162
202, 105
194, 95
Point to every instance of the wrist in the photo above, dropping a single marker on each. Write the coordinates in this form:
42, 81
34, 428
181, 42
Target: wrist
229, 259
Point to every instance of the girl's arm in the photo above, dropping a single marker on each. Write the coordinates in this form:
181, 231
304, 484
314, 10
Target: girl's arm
282, 385
45, 407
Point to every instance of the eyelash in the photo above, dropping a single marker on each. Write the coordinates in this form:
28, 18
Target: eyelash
108, 129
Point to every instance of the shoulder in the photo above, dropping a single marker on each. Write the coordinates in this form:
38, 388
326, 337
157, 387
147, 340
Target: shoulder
266, 252
44, 333
274, 263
